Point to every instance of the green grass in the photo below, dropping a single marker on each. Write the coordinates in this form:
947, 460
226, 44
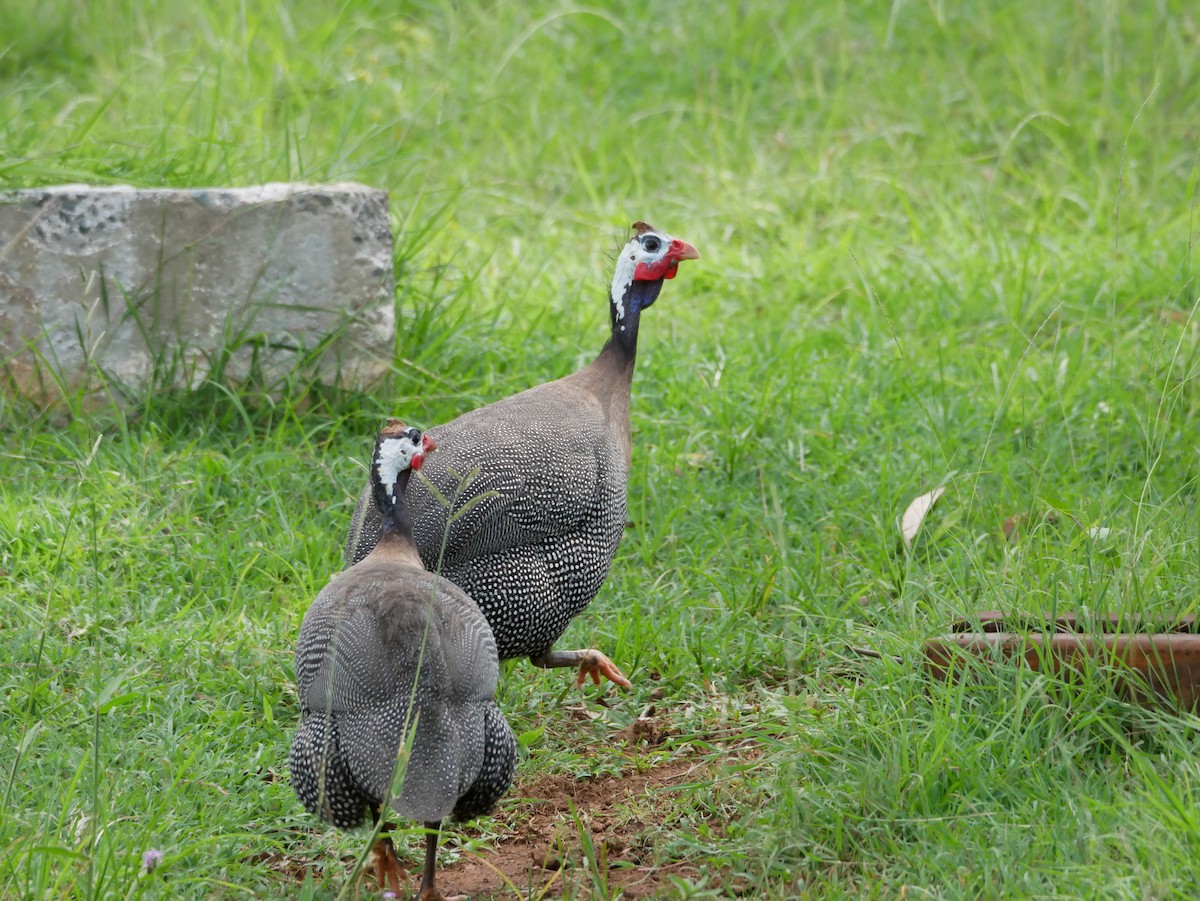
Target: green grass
944, 244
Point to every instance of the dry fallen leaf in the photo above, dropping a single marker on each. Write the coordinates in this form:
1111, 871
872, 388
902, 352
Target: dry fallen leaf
1012, 526
914, 514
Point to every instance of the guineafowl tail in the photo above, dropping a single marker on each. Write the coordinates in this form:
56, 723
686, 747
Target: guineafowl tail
321, 776
496, 771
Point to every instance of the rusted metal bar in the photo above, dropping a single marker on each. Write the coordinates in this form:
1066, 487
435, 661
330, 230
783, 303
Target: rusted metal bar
998, 621
1168, 662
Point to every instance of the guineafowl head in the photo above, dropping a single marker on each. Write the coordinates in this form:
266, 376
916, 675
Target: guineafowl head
644, 262
399, 451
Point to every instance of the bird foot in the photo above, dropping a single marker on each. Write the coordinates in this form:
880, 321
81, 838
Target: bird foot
590, 662
389, 872
432, 894
595, 665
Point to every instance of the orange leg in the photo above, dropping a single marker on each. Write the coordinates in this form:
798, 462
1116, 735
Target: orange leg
386, 866
591, 663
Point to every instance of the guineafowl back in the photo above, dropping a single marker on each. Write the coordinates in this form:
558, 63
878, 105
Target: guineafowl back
388, 655
537, 483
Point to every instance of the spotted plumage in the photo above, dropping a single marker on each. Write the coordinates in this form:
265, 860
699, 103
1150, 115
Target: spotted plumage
391, 657
534, 532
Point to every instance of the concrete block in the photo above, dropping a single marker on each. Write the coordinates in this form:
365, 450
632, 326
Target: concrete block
165, 288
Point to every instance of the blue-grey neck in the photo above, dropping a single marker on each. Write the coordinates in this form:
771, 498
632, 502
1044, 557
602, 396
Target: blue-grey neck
638, 296
392, 510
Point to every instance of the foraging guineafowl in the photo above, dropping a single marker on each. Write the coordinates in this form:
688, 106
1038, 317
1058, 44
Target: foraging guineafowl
542, 507
388, 649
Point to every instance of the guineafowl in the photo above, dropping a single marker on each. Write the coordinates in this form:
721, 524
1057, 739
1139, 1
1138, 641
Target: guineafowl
389, 654
538, 516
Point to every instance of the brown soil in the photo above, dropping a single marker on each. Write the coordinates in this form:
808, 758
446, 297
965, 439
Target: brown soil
546, 852
583, 837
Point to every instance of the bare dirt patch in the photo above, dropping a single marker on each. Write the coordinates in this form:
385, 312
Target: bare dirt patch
585, 836
614, 830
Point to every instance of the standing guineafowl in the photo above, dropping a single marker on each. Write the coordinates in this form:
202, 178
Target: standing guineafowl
537, 484
388, 654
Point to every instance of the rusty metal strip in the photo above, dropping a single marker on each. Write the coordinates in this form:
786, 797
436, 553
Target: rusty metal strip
1168, 663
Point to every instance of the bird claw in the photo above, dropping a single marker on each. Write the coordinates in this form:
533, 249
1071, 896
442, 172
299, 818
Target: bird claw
595, 665
386, 867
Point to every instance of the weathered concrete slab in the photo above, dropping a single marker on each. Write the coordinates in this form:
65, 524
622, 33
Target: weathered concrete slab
165, 288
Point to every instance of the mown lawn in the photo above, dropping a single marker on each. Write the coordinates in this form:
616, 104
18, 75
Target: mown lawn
944, 245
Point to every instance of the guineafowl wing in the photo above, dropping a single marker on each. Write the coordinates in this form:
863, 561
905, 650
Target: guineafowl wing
339, 652
504, 481
523, 470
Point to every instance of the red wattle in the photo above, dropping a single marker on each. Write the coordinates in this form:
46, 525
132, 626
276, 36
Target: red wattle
649, 272
668, 265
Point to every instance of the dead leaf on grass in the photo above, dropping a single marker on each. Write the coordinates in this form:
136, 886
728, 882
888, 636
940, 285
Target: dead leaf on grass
915, 513
1012, 526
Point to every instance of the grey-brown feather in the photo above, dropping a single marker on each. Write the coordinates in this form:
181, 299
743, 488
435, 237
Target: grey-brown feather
535, 528
384, 649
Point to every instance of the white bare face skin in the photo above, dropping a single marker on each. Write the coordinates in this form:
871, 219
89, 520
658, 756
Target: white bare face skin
649, 247
395, 456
